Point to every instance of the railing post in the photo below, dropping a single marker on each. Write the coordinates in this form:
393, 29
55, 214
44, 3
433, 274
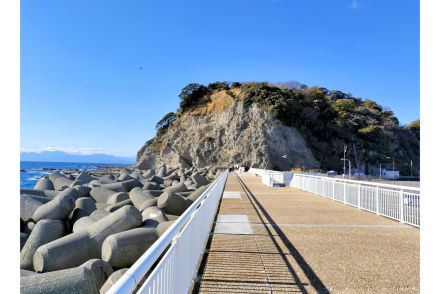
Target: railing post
345, 192
401, 206
377, 200
359, 196
334, 188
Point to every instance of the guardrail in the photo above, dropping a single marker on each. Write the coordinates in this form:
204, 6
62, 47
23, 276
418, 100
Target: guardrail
185, 241
401, 203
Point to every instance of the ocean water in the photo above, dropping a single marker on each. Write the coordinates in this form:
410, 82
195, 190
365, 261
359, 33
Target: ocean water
32, 171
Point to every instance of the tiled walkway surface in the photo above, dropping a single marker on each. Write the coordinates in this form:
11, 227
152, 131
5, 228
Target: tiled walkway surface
284, 240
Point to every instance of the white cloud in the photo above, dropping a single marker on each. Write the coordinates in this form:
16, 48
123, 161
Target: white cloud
354, 4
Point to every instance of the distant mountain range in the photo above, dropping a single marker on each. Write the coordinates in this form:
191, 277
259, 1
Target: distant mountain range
60, 156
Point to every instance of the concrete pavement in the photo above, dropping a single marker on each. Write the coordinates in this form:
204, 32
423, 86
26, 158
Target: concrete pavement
284, 240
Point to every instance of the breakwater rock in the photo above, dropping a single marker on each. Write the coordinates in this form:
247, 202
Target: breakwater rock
78, 230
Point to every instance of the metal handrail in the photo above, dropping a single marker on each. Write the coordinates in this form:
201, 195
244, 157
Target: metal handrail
133, 276
398, 187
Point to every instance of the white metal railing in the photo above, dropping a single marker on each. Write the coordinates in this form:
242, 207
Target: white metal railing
401, 203
185, 240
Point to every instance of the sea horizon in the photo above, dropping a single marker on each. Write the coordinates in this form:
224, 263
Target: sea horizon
32, 171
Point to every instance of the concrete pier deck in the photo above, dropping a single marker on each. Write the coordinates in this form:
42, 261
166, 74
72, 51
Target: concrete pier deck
284, 240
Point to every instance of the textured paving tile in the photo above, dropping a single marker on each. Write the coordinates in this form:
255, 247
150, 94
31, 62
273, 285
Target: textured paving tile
231, 195
232, 218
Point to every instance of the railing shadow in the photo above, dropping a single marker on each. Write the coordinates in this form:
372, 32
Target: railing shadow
315, 281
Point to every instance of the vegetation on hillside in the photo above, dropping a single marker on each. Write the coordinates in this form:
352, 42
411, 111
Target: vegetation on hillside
328, 120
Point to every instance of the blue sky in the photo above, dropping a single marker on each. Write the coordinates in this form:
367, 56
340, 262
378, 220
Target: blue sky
82, 89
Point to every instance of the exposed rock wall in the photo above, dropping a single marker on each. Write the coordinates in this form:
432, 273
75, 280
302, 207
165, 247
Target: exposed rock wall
243, 135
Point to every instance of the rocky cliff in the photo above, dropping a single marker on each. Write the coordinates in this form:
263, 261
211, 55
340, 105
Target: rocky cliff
226, 135
264, 125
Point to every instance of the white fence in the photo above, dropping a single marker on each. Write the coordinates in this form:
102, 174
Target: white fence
183, 244
401, 203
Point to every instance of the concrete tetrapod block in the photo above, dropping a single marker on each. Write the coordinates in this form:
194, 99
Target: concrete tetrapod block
102, 206
138, 196
115, 187
124, 177
95, 183
84, 244
99, 214
114, 277
23, 239
196, 194
45, 231
83, 178
117, 197
28, 206
56, 174
151, 186
124, 186
28, 227
46, 193
44, 184
172, 203
42, 199
84, 206
61, 183
173, 176
102, 194
156, 179
162, 172
118, 205
123, 249
86, 278
83, 224
172, 217
185, 194
148, 203
152, 216
25, 273
59, 208
167, 183
83, 190
199, 180
163, 226
149, 173
188, 183
176, 188
107, 179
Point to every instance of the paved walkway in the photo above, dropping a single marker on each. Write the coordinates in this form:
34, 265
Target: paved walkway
284, 240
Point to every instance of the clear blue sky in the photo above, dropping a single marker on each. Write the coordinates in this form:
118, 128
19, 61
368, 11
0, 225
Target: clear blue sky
81, 86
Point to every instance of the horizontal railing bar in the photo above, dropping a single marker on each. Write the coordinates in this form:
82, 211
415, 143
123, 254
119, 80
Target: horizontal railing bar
399, 187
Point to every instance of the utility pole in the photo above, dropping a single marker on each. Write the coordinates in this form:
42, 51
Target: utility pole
411, 167
380, 170
394, 176
345, 150
349, 167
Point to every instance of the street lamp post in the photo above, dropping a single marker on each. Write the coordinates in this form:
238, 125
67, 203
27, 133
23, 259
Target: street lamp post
345, 150
349, 167
380, 171
394, 176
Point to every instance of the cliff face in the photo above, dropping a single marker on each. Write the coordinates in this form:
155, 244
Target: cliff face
239, 134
